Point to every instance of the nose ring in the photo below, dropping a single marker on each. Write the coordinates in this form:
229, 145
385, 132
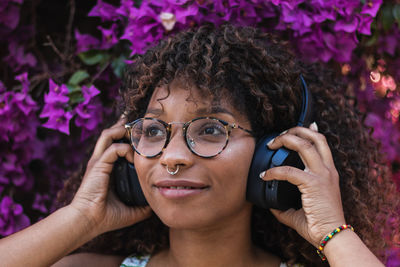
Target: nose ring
173, 172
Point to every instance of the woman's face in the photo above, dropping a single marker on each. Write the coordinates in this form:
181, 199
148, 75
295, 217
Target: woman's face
219, 183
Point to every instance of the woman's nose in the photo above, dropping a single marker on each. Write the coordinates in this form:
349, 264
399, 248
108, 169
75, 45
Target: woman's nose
177, 152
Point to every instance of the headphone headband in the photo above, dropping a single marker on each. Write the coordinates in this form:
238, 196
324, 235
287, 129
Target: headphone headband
306, 105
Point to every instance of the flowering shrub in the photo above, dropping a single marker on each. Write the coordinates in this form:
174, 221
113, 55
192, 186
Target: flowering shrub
63, 60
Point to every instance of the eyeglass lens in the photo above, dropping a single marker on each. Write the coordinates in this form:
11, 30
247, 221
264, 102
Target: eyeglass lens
205, 137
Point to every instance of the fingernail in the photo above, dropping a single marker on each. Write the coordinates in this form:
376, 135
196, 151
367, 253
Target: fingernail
270, 141
314, 126
283, 132
262, 174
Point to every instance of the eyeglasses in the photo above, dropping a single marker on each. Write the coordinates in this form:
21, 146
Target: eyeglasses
204, 136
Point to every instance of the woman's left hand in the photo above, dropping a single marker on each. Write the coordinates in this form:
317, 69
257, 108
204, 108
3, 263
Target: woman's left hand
318, 183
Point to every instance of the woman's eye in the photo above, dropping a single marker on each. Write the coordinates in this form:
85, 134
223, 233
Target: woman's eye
212, 130
153, 131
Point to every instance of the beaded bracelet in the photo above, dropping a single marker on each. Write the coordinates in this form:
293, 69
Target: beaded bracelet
329, 237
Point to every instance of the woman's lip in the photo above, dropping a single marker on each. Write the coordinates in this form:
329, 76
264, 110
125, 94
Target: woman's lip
177, 189
180, 192
167, 183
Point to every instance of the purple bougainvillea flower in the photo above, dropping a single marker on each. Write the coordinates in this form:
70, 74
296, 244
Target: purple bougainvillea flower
389, 43
291, 4
23, 100
23, 79
371, 7
55, 101
394, 253
40, 202
9, 16
298, 20
316, 41
89, 93
89, 116
2, 87
321, 14
125, 7
344, 7
109, 36
344, 46
59, 121
85, 42
146, 24
386, 133
17, 57
56, 93
347, 24
341, 44
364, 26
104, 10
12, 218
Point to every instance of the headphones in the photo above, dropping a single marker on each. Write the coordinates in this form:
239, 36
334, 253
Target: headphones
280, 195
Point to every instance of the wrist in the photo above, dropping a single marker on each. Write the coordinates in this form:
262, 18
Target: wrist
86, 222
330, 236
325, 231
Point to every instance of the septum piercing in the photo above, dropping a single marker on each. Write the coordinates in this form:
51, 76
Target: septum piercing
172, 172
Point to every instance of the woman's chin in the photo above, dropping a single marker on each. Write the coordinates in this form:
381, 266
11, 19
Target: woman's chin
176, 219
197, 218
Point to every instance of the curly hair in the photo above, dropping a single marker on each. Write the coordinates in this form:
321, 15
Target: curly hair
259, 75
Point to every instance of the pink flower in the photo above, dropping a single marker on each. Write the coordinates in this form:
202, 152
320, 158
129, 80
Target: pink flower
388, 82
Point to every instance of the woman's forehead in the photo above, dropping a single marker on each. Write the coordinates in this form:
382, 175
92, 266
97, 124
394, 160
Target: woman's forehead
175, 97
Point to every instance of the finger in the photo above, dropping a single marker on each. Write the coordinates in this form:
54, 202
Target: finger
319, 142
290, 217
102, 168
107, 137
115, 151
307, 151
121, 121
287, 173
106, 161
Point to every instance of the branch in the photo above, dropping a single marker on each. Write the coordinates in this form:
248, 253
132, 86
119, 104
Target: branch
100, 72
51, 43
69, 28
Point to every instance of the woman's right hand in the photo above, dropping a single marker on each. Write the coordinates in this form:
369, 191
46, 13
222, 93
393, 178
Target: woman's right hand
94, 200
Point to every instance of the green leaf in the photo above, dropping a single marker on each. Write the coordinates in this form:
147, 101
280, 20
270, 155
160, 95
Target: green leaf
118, 66
73, 89
371, 41
387, 17
78, 77
93, 57
396, 14
76, 99
75, 94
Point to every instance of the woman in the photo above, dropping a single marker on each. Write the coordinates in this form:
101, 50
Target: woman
198, 214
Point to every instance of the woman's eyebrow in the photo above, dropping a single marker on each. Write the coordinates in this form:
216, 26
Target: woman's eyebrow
214, 110
155, 111
201, 111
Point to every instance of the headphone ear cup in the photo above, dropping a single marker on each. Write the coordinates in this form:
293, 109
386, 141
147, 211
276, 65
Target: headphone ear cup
127, 184
275, 194
262, 156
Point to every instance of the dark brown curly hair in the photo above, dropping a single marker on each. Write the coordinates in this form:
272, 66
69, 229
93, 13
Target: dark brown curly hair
260, 76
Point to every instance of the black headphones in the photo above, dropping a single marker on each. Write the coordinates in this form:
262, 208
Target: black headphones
272, 194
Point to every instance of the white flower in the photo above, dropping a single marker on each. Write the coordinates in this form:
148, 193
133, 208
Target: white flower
168, 20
